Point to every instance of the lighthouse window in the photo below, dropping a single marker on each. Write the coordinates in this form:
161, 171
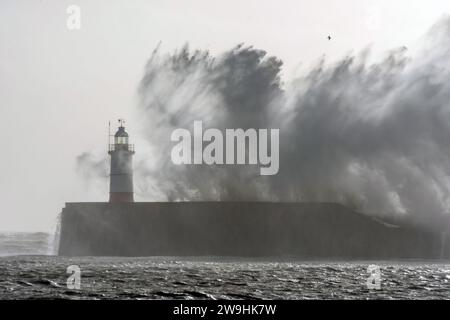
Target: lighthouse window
121, 140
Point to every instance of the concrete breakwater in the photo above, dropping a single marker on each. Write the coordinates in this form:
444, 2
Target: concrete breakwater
241, 229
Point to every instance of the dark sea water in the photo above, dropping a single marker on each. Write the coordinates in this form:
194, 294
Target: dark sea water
41, 276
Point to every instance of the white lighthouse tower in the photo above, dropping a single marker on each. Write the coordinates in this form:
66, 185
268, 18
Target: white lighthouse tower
121, 177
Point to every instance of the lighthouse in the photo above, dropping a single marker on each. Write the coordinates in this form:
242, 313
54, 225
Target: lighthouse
121, 176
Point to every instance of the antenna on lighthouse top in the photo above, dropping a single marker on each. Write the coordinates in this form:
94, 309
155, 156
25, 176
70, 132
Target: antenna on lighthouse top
109, 133
121, 122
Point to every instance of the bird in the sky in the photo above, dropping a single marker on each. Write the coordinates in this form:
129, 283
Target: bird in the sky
329, 37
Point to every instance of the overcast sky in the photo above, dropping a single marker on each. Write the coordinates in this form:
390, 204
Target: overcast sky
59, 88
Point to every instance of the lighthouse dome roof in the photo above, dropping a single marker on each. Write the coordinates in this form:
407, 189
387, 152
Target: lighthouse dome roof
121, 132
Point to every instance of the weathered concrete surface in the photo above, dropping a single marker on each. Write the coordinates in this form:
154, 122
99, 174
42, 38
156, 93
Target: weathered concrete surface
249, 229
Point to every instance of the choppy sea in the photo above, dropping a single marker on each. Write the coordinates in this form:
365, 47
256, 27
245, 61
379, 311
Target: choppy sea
30, 270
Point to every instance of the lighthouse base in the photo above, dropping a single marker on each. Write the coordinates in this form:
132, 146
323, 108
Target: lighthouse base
245, 229
120, 197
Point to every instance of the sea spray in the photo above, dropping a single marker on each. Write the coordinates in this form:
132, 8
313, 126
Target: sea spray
373, 136
53, 237
25, 243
